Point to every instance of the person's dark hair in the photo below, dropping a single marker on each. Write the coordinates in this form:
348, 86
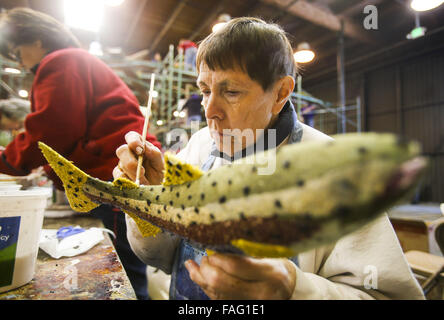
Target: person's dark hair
260, 49
21, 26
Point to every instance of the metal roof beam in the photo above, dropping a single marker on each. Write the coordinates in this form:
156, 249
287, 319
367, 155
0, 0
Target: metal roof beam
319, 16
167, 26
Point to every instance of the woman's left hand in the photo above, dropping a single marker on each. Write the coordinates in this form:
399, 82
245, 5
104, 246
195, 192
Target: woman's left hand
234, 277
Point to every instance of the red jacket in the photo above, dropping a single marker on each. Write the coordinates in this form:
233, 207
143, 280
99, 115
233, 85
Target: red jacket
81, 109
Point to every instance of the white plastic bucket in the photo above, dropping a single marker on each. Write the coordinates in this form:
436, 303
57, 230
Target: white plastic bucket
21, 220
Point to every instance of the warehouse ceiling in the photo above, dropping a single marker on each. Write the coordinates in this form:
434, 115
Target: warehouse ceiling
138, 25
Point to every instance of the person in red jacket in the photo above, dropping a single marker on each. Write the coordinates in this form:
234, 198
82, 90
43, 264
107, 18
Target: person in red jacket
79, 107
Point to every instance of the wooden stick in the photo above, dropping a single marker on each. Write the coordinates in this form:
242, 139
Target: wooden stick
145, 128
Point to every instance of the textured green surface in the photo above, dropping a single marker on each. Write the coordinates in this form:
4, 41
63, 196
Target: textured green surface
7, 260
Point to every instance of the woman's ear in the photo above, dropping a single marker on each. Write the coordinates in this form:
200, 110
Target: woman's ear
284, 87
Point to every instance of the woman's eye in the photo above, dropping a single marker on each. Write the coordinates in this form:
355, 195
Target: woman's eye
232, 93
205, 92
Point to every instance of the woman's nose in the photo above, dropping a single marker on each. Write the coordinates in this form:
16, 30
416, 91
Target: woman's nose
213, 108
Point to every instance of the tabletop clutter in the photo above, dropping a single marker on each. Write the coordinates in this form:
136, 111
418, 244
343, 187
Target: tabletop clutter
22, 212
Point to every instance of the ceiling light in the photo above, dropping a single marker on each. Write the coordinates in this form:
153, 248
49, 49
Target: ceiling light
418, 31
84, 14
114, 3
95, 48
159, 122
176, 113
23, 93
221, 21
304, 53
425, 5
12, 70
218, 26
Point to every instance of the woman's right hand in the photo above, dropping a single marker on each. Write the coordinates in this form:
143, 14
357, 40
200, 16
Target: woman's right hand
152, 166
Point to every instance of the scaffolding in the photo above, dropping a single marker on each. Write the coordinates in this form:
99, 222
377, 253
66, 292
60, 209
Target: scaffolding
328, 113
12, 78
173, 83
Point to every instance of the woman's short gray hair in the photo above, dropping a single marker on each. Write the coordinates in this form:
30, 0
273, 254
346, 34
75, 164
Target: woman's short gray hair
15, 109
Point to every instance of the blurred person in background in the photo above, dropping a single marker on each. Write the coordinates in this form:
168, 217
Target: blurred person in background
193, 106
189, 52
12, 117
79, 107
13, 113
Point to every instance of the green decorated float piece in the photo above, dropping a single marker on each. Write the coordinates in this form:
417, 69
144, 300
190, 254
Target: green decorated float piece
316, 193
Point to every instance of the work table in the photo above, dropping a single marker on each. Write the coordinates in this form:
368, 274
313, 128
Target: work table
96, 274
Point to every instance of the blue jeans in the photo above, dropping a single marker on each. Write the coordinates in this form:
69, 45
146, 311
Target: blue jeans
114, 220
182, 287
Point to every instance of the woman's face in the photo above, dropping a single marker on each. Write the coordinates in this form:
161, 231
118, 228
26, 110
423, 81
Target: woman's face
28, 55
236, 106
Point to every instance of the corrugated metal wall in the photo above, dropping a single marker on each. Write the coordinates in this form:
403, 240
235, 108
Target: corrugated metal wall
406, 98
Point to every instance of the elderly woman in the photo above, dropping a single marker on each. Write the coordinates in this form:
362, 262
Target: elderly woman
79, 106
246, 75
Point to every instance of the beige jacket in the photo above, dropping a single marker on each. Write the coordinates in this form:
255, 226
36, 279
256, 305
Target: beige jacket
367, 264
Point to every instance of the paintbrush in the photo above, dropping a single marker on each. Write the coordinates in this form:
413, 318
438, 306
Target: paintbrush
145, 128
